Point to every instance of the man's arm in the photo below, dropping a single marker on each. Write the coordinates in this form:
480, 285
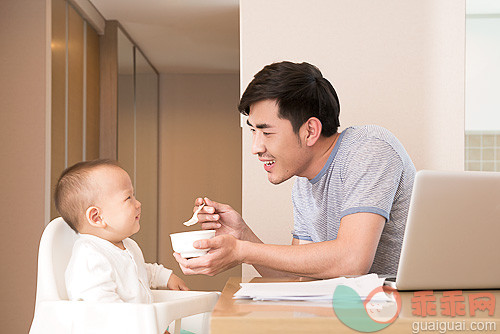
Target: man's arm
351, 253
268, 272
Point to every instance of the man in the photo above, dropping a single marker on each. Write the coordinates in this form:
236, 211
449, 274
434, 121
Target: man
350, 197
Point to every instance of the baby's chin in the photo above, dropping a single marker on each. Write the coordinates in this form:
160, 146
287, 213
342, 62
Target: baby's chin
138, 227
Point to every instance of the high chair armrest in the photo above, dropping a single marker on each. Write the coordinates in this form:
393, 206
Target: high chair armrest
172, 305
91, 317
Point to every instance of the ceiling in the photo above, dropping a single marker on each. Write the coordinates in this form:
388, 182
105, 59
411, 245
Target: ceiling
197, 36
181, 36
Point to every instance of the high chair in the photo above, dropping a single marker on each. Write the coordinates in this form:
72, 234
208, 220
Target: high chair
54, 313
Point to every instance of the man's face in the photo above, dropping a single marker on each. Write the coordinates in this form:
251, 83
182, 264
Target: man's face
277, 146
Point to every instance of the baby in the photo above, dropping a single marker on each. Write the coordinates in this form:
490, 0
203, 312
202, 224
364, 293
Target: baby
96, 199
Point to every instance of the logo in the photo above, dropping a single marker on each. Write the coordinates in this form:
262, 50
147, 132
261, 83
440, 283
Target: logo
380, 308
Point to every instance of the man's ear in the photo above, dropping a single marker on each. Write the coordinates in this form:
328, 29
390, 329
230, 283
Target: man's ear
93, 216
311, 131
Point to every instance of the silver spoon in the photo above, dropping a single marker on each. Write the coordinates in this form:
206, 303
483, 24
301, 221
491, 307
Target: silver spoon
194, 219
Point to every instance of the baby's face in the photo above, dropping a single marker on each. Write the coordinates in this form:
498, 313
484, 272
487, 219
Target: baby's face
120, 210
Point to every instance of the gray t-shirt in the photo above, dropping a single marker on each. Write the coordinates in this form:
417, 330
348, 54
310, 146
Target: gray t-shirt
368, 171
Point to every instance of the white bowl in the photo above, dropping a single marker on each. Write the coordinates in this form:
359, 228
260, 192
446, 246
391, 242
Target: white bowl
182, 242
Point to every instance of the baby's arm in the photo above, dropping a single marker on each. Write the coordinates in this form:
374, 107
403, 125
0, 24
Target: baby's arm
161, 277
175, 283
90, 277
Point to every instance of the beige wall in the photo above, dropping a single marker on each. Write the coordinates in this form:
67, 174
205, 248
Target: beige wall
200, 155
395, 63
23, 121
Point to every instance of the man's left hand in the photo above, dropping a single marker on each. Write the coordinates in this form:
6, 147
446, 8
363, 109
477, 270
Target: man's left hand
224, 254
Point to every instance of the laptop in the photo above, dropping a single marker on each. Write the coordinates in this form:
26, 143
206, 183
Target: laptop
452, 236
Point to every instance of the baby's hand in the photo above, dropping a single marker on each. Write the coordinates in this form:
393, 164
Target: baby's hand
175, 283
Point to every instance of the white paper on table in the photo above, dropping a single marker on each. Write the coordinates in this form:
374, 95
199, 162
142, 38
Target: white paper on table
314, 291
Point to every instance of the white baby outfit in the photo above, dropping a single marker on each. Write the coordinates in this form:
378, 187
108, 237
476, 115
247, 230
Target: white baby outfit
100, 271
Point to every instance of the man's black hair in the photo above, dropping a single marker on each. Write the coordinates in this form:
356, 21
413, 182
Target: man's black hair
300, 91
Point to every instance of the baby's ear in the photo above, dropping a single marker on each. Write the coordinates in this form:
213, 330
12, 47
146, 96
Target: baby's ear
93, 216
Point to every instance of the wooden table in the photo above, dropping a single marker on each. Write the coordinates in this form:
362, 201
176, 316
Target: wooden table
246, 316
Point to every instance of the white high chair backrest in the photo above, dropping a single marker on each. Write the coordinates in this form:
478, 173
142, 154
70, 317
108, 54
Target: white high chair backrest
54, 253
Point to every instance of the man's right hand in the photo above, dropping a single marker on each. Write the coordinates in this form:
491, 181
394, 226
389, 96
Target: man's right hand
222, 218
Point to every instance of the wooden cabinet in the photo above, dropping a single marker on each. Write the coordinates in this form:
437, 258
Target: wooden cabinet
75, 91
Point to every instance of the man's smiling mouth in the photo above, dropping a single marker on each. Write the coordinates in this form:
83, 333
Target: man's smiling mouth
268, 164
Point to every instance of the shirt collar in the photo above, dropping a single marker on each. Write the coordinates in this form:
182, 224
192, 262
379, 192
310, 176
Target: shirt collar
102, 242
330, 159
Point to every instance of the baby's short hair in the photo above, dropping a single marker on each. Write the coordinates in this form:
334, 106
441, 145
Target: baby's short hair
74, 192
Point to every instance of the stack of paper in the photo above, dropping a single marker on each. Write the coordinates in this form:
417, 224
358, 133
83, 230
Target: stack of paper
310, 291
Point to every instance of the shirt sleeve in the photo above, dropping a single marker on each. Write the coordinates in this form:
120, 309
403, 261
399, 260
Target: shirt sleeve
370, 178
90, 277
158, 275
